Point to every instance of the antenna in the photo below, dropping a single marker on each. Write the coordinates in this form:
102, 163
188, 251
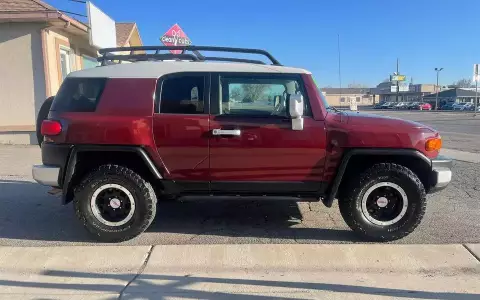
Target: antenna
339, 67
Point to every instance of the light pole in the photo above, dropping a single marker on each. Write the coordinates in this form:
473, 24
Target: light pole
436, 98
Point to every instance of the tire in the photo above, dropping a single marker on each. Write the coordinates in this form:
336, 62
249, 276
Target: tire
115, 179
392, 178
42, 115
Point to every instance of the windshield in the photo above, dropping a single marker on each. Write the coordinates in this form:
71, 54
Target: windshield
323, 99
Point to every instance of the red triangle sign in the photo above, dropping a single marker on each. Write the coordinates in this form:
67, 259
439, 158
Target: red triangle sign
175, 37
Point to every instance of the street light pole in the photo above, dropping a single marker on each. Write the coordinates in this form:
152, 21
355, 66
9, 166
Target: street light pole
436, 97
398, 88
476, 96
475, 76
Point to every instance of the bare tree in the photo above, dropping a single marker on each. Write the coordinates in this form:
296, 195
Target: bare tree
357, 85
463, 83
252, 92
236, 93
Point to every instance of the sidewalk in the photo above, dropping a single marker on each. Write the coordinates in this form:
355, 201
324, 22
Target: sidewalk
242, 271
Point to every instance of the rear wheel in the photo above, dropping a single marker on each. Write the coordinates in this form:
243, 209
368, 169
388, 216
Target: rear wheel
114, 203
387, 202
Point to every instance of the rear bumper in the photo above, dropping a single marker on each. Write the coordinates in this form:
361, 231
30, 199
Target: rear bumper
54, 159
46, 175
441, 174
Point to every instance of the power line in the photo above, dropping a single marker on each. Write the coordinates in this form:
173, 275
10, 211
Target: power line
72, 13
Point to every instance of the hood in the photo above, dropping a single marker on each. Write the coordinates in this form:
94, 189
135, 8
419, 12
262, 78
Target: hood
365, 119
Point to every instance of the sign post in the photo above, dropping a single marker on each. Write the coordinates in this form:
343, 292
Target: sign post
175, 36
475, 77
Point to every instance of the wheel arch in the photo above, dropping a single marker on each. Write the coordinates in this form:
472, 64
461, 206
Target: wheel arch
84, 158
354, 162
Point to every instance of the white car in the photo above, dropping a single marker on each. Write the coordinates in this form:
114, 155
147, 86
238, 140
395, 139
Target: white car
458, 106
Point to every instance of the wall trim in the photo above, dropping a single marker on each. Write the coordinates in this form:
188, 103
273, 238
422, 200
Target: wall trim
58, 43
46, 70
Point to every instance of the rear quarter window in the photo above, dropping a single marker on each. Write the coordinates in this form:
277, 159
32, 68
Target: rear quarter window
79, 95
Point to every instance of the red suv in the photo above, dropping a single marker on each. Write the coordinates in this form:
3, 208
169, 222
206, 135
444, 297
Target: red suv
120, 136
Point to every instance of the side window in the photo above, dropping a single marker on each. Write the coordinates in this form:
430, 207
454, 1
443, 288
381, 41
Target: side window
182, 95
79, 95
258, 95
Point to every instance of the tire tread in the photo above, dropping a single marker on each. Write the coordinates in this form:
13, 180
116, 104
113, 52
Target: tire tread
348, 200
147, 193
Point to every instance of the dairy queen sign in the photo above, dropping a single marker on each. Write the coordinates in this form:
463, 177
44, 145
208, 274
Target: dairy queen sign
175, 37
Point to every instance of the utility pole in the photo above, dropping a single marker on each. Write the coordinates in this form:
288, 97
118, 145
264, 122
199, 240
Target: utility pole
339, 68
398, 88
475, 75
436, 97
476, 97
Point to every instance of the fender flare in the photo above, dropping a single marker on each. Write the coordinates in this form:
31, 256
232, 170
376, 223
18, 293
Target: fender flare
332, 193
72, 160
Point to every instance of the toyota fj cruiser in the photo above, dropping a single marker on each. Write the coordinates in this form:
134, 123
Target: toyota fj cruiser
120, 136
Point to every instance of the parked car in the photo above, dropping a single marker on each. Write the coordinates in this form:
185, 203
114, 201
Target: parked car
114, 150
459, 106
469, 107
388, 105
401, 105
412, 105
392, 105
448, 106
378, 106
423, 106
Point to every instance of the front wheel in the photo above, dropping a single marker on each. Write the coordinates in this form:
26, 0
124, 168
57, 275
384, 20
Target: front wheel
385, 203
114, 203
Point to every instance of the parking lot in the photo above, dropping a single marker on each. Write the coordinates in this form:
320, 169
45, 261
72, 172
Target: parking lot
31, 217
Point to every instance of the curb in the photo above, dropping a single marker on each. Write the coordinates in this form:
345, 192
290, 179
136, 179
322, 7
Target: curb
359, 271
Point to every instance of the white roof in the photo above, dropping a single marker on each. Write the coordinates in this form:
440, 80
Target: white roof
155, 69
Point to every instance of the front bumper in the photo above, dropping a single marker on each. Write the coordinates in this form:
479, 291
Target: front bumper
441, 173
46, 175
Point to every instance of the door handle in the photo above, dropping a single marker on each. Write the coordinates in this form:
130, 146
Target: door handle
232, 132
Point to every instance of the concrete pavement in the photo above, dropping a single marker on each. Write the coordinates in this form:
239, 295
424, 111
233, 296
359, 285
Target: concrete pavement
29, 216
370, 271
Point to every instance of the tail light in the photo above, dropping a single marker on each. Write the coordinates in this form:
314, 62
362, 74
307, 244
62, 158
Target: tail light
51, 127
433, 144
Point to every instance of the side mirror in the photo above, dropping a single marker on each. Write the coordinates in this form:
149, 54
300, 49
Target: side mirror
295, 109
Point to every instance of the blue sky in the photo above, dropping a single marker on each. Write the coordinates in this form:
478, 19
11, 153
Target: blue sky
423, 34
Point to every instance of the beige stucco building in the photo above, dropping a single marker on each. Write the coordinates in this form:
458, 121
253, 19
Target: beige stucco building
39, 46
415, 92
344, 96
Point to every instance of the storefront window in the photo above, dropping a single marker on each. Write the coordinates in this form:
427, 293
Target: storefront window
89, 62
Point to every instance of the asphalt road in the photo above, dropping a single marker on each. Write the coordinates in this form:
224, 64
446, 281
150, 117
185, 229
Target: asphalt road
31, 217
459, 130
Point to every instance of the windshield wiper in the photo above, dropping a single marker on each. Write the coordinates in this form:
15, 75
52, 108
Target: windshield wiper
334, 109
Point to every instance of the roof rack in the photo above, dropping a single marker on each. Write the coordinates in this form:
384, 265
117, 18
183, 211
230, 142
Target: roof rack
110, 55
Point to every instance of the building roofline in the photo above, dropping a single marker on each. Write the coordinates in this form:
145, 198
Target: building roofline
50, 13
47, 6
135, 27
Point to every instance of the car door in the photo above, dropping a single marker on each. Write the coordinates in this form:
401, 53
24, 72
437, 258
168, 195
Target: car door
180, 128
252, 145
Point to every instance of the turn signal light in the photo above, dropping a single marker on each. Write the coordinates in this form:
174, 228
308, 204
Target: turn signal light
51, 127
433, 144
